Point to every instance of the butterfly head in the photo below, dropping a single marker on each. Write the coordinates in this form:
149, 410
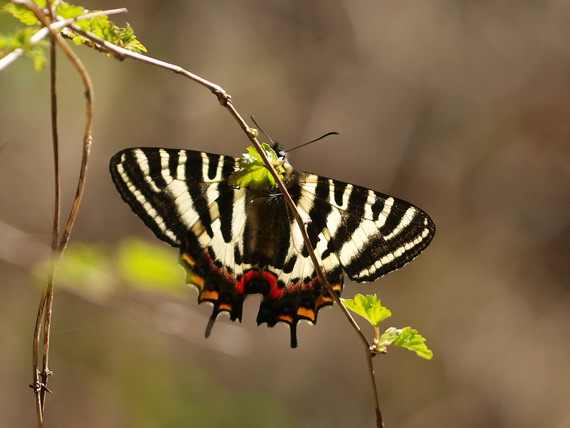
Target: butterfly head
283, 161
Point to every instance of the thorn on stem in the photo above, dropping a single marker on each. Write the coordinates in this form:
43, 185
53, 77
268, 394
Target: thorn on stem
39, 387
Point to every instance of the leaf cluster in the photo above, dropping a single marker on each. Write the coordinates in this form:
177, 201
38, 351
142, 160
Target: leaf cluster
99, 26
20, 39
370, 308
250, 171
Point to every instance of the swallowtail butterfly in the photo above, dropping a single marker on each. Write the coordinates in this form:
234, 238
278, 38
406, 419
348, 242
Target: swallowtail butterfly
238, 241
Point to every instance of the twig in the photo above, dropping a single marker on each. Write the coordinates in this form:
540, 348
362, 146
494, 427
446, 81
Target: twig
122, 53
44, 315
225, 101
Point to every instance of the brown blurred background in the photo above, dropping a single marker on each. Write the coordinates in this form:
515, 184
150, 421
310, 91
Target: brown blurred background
461, 107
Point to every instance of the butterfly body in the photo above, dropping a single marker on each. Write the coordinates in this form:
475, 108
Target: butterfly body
238, 241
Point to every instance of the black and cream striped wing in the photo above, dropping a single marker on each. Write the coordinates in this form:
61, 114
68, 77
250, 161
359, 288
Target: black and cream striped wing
365, 233
183, 195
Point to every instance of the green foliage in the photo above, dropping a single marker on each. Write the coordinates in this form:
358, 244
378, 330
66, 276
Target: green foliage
147, 266
22, 13
92, 270
20, 39
370, 307
250, 171
99, 26
406, 337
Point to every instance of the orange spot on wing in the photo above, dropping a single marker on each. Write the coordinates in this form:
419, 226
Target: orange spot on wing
188, 259
323, 300
209, 295
306, 313
195, 279
287, 318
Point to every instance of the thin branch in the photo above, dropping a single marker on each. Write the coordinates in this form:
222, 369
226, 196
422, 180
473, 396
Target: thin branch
122, 53
44, 31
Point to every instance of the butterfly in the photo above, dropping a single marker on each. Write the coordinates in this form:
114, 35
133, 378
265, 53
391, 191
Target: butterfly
235, 241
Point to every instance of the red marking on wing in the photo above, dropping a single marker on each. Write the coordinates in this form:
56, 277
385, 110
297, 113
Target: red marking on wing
275, 291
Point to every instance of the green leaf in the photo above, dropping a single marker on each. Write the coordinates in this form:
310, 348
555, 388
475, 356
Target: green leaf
405, 337
149, 267
21, 13
100, 26
94, 272
20, 39
370, 307
250, 171
68, 11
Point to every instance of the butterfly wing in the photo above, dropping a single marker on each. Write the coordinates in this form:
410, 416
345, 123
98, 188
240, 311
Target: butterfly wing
366, 233
184, 198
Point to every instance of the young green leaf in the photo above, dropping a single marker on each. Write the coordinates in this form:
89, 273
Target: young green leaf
370, 307
100, 26
405, 337
250, 171
20, 39
21, 13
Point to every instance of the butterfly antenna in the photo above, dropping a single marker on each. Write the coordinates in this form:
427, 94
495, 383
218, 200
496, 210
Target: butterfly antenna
313, 141
273, 143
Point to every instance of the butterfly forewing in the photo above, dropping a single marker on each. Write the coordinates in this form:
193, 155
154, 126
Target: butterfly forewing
234, 242
367, 232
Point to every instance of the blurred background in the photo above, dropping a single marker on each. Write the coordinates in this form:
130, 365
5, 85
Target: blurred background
461, 107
